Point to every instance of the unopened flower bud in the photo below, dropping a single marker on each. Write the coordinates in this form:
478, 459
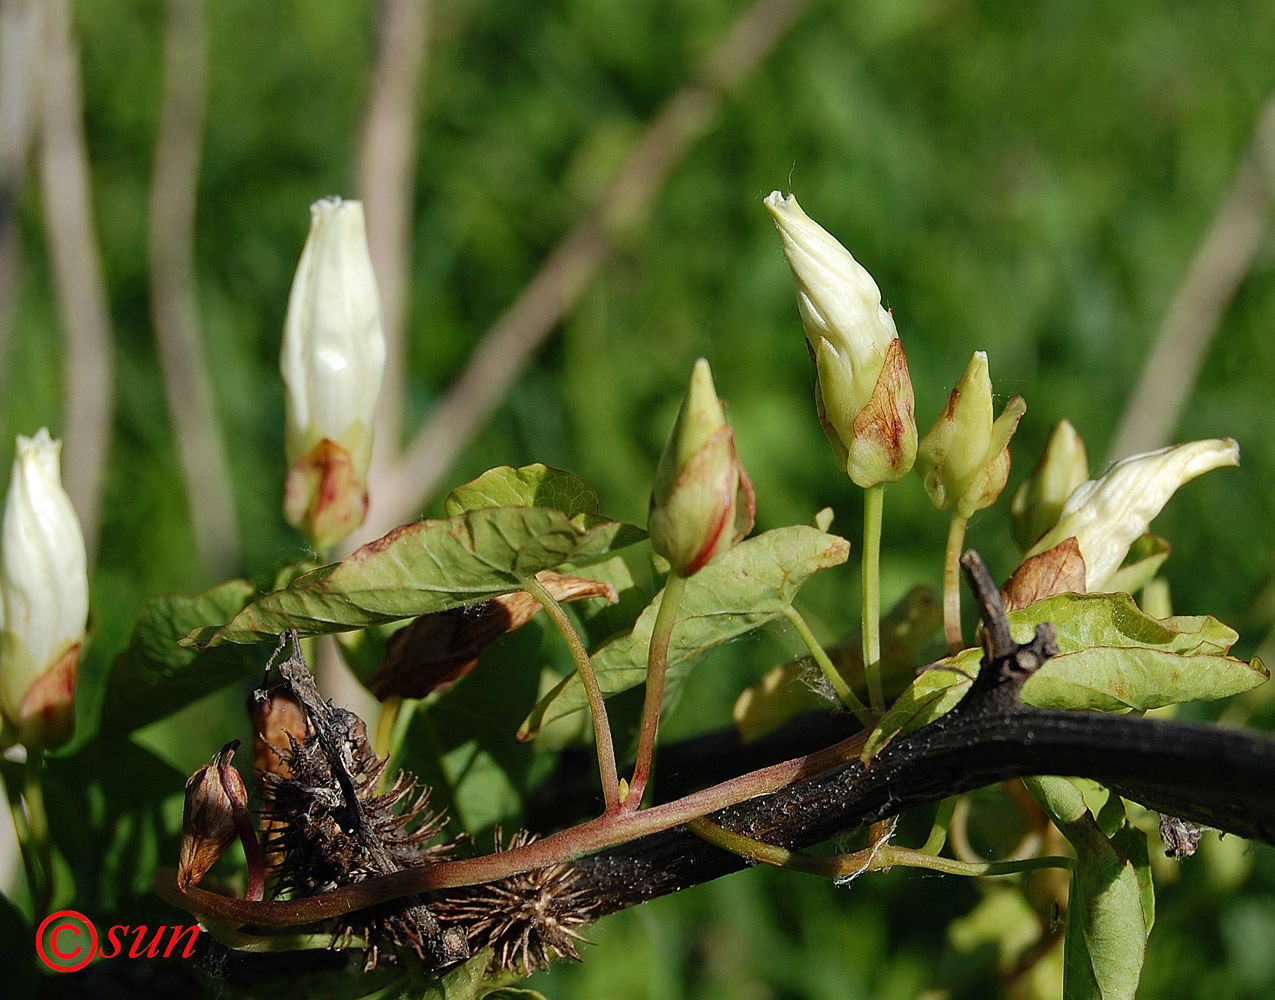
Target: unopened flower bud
44, 598
333, 361
702, 503
964, 459
862, 388
216, 803
1038, 502
1107, 515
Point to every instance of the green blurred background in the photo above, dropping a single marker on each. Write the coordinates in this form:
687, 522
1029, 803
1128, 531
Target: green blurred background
1032, 180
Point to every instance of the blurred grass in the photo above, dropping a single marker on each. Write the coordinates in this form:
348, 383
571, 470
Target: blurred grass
1029, 180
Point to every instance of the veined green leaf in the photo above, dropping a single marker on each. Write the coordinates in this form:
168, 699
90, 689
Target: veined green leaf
424, 567
154, 676
1111, 657
1107, 924
746, 588
529, 486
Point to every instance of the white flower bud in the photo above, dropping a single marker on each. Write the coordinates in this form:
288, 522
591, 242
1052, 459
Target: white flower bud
1107, 515
333, 361
863, 389
44, 597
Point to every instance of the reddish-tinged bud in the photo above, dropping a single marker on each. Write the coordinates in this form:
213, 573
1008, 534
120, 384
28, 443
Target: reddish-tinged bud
702, 503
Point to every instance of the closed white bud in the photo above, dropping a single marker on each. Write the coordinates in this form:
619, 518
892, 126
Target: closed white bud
863, 390
44, 598
333, 362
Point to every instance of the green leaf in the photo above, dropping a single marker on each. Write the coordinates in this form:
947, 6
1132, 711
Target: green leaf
530, 486
1132, 843
155, 676
424, 567
1111, 657
1106, 934
746, 588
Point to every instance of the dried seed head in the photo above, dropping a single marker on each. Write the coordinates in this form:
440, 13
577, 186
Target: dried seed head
529, 920
326, 825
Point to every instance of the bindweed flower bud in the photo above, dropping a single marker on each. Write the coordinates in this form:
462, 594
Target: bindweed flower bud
1038, 502
1107, 515
964, 459
44, 599
702, 503
216, 802
862, 387
333, 361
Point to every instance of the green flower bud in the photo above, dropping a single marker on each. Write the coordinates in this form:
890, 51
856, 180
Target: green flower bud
332, 362
1038, 502
1107, 515
44, 598
862, 389
702, 503
964, 459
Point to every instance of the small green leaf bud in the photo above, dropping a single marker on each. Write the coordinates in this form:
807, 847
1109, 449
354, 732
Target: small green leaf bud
1038, 502
1107, 515
964, 459
702, 503
862, 388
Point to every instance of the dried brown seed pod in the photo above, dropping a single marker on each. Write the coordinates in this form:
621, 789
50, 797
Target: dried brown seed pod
529, 920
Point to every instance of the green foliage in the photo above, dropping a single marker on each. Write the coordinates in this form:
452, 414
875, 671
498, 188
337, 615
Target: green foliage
425, 567
530, 486
155, 675
746, 588
1031, 180
1111, 657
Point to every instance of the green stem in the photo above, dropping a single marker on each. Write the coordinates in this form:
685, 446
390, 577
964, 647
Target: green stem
386, 723
952, 583
37, 823
874, 858
30, 864
593, 690
844, 691
873, 504
942, 820
656, 667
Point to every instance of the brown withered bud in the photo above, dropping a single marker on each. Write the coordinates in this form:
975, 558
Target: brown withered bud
215, 798
435, 651
1060, 570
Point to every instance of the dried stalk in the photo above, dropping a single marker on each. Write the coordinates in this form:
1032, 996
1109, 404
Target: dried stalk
174, 300
1221, 261
79, 287
520, 331
21, 28
387, 162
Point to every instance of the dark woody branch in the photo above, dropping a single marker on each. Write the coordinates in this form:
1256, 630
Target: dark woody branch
1208, 775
